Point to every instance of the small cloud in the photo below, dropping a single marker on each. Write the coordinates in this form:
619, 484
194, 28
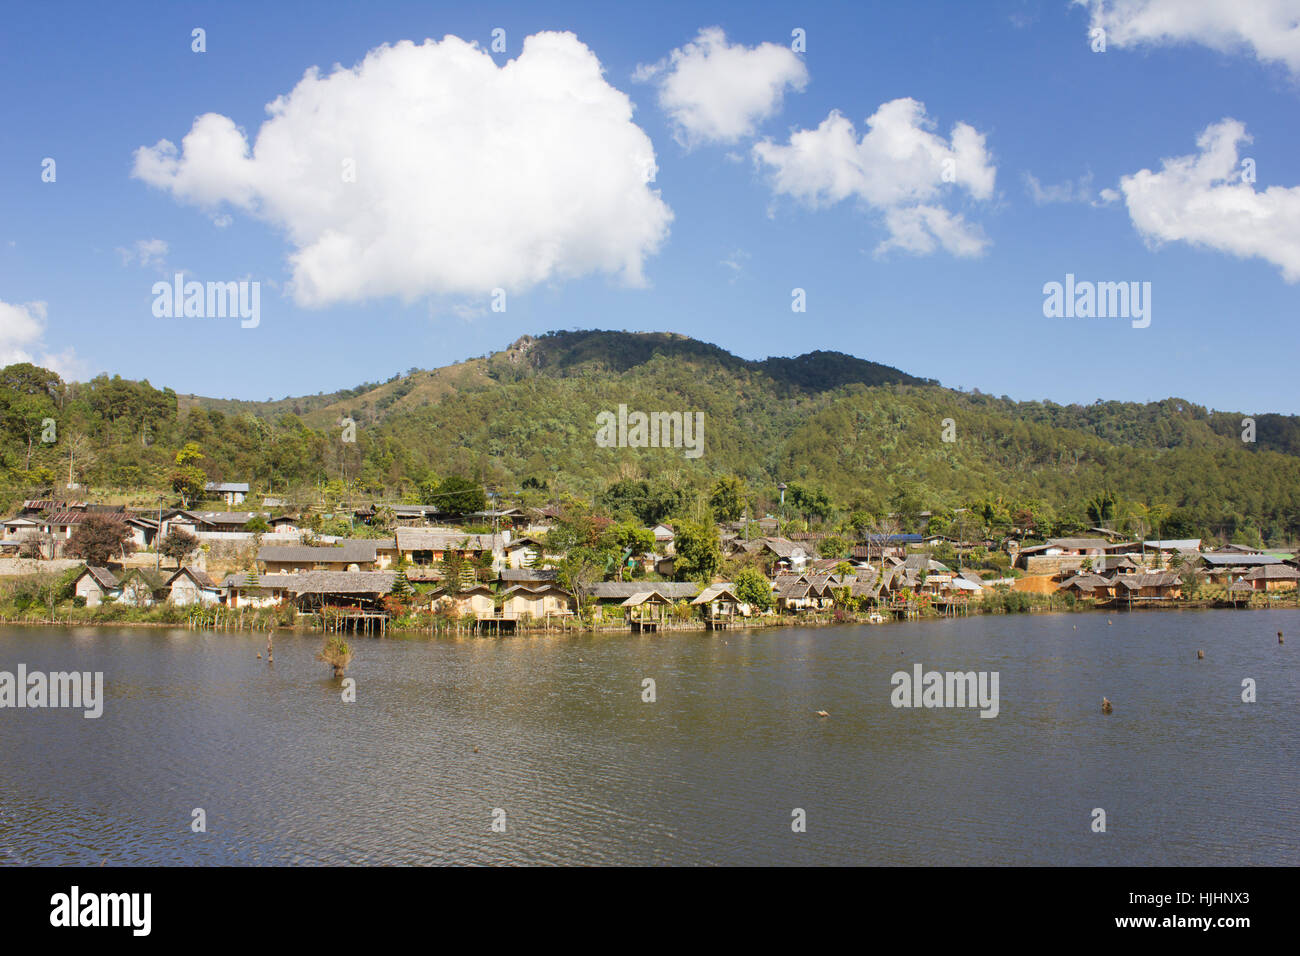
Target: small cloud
222, 220
715, 91
1021, 19
1070, 191
466, 310
899, 169
736, 263
147, 253
1061, 193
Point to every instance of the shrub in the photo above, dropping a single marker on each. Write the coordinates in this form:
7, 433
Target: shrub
1009, 602
337, 654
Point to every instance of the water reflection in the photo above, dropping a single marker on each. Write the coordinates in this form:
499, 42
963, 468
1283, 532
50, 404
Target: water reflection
553, 730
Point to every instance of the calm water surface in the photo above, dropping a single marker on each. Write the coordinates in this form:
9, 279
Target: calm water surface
710, 773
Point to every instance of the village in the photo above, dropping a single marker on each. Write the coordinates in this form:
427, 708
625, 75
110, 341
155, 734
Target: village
500, 571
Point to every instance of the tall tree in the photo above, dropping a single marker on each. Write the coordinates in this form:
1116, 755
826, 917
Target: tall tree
178, 545
100, 538
753, 589
698, 552
188, 479
78, 448
728, 498
579, 570
456, 495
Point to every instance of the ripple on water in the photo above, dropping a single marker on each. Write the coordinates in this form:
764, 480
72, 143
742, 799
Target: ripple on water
711, 772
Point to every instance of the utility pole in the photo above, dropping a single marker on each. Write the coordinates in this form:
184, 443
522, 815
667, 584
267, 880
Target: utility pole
157, 539
780, 514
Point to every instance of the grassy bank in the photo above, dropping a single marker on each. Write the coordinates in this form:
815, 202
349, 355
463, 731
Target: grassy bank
23, 606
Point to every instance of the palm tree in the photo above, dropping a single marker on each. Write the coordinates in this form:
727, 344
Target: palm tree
384, 518
1101, 508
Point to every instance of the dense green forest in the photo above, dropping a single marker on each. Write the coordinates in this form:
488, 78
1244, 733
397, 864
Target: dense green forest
852, 439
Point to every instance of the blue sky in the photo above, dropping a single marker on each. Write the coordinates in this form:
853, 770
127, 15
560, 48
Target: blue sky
732, 222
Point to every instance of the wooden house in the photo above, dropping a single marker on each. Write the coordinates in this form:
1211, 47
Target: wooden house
1170, 548
1116, 564
174, 519
34, 507
192, 586
1272, 577
540, 520
522, 552
143, 587
1225, 567
865, 585
144, 530
347, 555
547, 600
782, 554
18, 528
361, 590
477, 601
284, 524
1092, 586
1240, 591
510, 518
428, 546
225, 522
233, 491
1148, 586
608, 593
95, 585
797, 592
203, 523
664, 538
646, 610
719, 604
254, 591
60, 524
528, 576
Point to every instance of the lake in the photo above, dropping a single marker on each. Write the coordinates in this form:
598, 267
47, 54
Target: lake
550, 737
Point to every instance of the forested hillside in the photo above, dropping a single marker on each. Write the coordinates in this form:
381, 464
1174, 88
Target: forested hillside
850, 436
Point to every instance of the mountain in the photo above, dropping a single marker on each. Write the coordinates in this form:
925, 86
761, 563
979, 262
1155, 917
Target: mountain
871, 437
563, 355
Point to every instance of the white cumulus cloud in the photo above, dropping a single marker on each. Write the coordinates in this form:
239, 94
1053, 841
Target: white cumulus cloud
1270, 29
1202, 199
22, 339
715, 91
429, 170
899, 168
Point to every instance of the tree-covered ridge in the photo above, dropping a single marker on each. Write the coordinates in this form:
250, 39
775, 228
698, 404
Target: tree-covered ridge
559, 355
820, 371
522, 421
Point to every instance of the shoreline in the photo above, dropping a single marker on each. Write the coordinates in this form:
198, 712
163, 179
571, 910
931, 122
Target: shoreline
471, 629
